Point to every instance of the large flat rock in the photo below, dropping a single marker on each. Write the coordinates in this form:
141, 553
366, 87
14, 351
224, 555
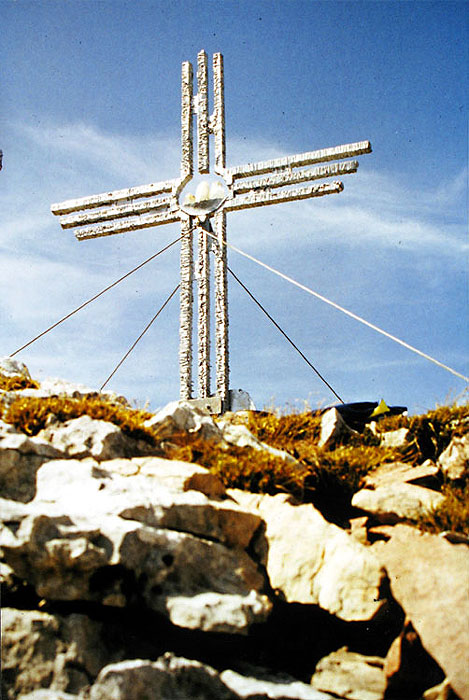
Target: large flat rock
310, 560
430, 579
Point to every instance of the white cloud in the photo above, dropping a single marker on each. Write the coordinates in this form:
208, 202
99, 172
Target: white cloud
379, 225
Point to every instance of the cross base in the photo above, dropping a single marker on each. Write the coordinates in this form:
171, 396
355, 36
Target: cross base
237, 400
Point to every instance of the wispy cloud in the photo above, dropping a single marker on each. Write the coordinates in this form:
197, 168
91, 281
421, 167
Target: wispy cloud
379, 227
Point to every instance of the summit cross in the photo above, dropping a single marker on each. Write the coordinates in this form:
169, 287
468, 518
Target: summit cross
197, 202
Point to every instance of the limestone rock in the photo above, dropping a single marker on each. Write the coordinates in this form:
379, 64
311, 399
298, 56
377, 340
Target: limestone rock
455, 459
270, 688
181, 417
323, 565
395, 502
61, 653
333, 428
395, 438
122, 562
240, 436
349, 675
399, 472
216, 612
146, 490
442, 691
20, 458
168, 677
87, 437
408, 667
240, 400
13, 368
429, 578
94, 535
176, 677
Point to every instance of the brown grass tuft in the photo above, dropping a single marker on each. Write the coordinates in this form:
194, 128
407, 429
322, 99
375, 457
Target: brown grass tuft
30, 414
17, 383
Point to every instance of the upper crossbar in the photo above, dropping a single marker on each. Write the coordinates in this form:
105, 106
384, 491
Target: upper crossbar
300, 159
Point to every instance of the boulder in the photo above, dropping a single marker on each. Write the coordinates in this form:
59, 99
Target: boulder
455, 459
176, 677
349, 675
442, 691
181, 417
398, 501
399, 472
217, 612
323, 565
240, 436
408, 667
333, 429
20, 458
429, 579
396, 439
87, 437
92, 534
168, 677
13, 368
153, 491
60, 653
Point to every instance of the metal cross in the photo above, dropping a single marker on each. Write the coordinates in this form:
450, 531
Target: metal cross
227, 189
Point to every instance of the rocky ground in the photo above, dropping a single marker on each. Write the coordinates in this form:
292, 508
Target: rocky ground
129, 575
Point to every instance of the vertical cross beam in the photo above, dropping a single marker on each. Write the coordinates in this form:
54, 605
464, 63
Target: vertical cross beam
221, 284
198, 104
186, 259
203, 276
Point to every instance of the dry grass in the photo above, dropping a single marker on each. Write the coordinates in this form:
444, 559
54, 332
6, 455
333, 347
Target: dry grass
17, 383
326, 477
453, 514
30, 414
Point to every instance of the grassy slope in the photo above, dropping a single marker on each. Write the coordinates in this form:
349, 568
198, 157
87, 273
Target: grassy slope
326, 477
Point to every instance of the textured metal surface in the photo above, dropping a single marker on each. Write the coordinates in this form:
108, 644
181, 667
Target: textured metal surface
115, 212
125, 195
221, 308
186, 309
218, 121
293, 177
133, 223
264, 197
187, 147
348, 150
203, 324
202, 113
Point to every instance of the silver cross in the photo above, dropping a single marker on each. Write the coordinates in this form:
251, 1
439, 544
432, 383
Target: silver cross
196, 202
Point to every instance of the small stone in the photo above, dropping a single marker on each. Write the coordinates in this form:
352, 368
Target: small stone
455, 459
442, 691
396, 439
13, 368
399, 472
390, 504
333, 429
349, 675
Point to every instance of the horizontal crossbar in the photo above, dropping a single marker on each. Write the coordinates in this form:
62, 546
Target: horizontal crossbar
289, 177
300, 159
113, 212
100, 200
262, 198
133, 223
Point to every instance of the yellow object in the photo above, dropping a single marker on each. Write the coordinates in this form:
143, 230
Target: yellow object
380, 409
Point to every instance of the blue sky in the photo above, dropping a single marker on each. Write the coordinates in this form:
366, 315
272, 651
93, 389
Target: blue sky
90, 102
